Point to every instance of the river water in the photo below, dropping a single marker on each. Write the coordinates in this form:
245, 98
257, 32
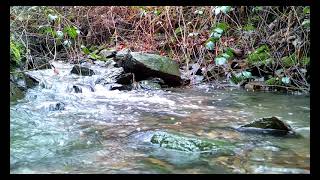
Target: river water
107, 131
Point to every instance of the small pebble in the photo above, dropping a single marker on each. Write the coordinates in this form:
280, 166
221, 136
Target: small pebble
172, 118
290, 114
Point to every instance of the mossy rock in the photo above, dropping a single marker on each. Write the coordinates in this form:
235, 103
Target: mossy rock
145, 66
188, 144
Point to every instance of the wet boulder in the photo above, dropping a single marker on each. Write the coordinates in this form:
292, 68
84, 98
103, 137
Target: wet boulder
126, 78
56, 106
77, 89
25, 80
273, 124
16, 92
145, 65
52, 106
82, 70
188, 144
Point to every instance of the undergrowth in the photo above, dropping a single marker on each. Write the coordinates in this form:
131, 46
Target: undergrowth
224, 41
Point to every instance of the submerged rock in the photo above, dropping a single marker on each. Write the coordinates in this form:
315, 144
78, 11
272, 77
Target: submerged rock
187, 144
273, 124
145, 65
81, 70
77, 89
57, 106
53, 106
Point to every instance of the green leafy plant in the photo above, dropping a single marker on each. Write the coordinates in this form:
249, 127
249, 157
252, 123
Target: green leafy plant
72, 31
259, 55
249, 27
289, 61
306, 10
241, 76
16, 51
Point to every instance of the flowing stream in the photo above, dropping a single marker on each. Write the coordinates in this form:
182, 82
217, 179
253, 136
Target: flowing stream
105, 131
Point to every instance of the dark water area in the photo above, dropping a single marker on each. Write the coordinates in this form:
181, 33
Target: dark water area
109, 131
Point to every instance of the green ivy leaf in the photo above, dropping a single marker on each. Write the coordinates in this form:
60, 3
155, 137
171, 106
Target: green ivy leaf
227, 56
210, 45
157, 12
94, 56
220, 60
85, 50
306, 10
178, 31
306, 23
72, 31
45, 30
286, 80
218, 30
246, 74
223, 26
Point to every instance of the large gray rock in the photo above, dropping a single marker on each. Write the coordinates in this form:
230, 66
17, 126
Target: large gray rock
145, 65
